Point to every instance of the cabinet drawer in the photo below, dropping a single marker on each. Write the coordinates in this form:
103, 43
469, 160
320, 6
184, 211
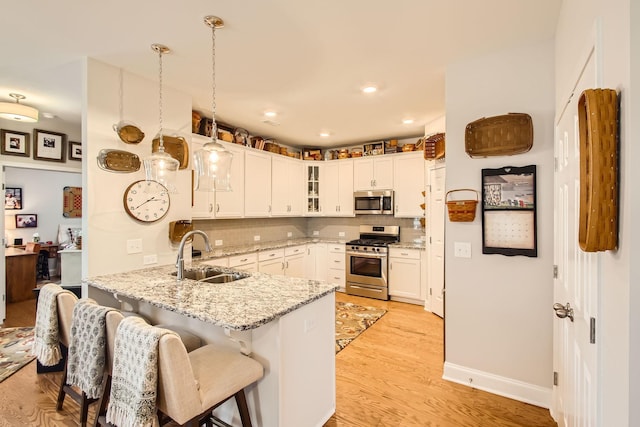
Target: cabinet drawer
237, 260
218, 262
336, 276
294, 250
336, 260
271, 254
336, 248
404, 253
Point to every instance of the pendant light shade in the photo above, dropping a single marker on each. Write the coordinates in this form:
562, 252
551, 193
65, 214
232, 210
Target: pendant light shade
213, 161
17, 111
160, 166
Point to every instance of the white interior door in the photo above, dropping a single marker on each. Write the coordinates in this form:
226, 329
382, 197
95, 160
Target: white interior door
435, 225
576, 287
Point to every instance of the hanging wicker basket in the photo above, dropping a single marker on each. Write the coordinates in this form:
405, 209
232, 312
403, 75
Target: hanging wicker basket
462, 210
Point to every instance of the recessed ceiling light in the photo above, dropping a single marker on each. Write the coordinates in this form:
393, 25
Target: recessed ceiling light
369, 89
48, 115
270, 113
407, 121
325, 134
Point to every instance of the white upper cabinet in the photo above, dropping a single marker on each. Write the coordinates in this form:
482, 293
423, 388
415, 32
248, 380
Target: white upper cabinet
230, 204
408, 174
287, 186
336, 195
313, 172
257, 180
373, 173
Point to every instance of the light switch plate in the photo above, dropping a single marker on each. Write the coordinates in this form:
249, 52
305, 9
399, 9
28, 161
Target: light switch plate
256, 238
134, 246
462, 249
289, 234
316, 233
217, 243
341, 234
150, 259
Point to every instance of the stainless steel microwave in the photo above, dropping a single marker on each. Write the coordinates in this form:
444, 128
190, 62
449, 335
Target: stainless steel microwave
373, 202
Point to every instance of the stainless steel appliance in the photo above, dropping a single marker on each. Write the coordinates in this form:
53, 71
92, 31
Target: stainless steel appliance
367, 261
373, 202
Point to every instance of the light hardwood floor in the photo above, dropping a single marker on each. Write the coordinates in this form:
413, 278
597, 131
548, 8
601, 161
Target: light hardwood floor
391, 375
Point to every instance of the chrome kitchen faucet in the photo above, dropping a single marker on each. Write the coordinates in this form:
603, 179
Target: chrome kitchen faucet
180, 260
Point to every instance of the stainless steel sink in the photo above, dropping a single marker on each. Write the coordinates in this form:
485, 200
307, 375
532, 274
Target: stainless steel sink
212, 276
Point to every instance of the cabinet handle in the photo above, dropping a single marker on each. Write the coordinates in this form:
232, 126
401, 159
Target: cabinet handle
210, 207
335, 260
282, 266
404, 254
269, 210
217, 207
272, 255
286, 264
244, 259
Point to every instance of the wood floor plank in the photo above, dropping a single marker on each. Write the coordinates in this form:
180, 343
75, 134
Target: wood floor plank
391, 375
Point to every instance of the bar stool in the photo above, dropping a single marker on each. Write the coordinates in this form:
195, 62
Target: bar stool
191, 385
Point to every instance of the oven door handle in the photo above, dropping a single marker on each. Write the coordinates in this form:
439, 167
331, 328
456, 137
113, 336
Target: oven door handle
368, 289
371, 255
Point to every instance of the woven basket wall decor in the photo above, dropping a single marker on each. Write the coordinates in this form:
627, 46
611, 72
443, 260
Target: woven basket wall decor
461, 210
598, 125
499, 135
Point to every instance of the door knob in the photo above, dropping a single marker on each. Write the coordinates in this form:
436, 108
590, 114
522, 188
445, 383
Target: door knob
563, 311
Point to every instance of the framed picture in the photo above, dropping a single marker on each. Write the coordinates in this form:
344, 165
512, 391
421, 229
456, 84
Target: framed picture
14, 143
75, 150
12, 198
26, 220
49, 145
509, 211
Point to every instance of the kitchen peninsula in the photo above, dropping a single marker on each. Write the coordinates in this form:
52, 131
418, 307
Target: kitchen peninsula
287, 324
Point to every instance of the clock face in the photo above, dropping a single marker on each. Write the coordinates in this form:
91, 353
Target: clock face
146, 201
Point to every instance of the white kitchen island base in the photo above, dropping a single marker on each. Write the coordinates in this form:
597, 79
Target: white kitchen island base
297, 351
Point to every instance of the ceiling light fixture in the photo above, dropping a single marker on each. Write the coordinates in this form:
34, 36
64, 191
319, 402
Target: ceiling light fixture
160, 166
212, 161
17, 111
270, 113
325, 134
369, 89
407, 121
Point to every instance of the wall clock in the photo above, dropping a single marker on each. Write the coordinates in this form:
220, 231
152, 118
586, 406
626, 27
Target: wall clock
146, 201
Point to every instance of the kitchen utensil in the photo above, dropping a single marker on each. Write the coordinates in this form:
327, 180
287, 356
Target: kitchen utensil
128, 132
118, 161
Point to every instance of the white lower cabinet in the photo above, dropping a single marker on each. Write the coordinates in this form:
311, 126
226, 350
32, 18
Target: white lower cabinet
294, 261
244, 262
336, 264
405, 278
316, 263
271, 262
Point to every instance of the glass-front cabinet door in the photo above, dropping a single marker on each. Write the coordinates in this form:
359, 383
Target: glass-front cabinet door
313, 206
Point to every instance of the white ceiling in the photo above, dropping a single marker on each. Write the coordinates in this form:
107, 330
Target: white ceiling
305, 60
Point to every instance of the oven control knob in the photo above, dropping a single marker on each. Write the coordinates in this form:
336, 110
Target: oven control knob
365, 248
377, 249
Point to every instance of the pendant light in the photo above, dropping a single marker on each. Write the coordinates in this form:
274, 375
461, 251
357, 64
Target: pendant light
160, 166
212, 161
17, 111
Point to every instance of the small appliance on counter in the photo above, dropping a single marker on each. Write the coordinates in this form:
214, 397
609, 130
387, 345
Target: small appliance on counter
367, 261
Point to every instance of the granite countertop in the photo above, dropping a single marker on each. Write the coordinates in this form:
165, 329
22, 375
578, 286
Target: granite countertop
244, 249
409, 245
240, 305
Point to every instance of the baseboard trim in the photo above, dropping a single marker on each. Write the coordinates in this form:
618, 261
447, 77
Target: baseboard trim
502, 386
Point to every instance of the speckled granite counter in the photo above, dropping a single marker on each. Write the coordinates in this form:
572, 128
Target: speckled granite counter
240, 305
409, 245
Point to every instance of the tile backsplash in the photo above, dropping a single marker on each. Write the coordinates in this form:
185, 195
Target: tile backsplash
234, 232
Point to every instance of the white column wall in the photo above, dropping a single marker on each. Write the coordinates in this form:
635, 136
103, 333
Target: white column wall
107, 225
498, 325
619, 318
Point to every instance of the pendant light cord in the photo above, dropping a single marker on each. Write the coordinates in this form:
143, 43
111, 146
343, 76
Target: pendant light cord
161, 146
214, 126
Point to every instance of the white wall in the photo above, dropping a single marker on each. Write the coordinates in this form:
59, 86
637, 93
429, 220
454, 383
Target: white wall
619, 311
498, 309
42, 195
107, 225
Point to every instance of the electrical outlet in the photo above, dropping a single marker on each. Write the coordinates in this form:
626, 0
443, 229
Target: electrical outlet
316, 233
218, 243
289, 234
309, 324
134, 246
256, 238
462, 249
150, 259
341, 234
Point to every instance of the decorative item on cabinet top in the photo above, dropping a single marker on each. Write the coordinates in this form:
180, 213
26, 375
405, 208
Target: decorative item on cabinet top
461, 210
503, 135
598, 118
433, 146
118, 161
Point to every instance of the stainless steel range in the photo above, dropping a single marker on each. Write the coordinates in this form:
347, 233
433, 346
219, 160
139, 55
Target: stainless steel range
367, 261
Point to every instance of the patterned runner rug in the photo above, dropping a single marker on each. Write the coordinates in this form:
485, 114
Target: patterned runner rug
352, 320
15, 350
